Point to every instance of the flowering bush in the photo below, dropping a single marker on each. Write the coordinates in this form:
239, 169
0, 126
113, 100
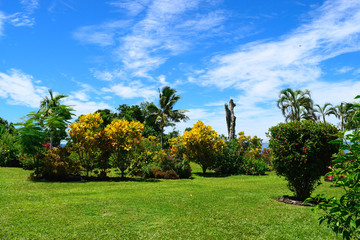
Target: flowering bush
84, 135
302, 153
124, 136
202, 145
253, 167
57, 165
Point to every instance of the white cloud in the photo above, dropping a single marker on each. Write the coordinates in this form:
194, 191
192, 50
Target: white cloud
85, 107
24, 18
162, 80
134, 89
345, 69
102, 35
163, 29
131, 7
261, 69
19, 89
108, 75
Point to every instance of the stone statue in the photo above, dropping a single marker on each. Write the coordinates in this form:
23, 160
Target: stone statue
230, 119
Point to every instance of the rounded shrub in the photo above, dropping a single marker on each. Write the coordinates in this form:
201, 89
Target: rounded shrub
302, 153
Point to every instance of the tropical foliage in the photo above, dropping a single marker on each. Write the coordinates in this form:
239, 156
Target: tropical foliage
202, 145
343, 214
164, 113
302, 153
295, 105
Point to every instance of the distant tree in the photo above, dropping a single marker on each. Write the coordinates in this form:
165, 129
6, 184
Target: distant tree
344, 111
294, 103
107, 116
325, 110
164, 112
131, 113
6, 126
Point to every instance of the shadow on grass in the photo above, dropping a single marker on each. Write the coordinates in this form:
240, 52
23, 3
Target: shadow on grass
218, 175
85, 179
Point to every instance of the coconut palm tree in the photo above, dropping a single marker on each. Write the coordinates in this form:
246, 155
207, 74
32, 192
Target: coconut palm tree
294, 103
326, 110
164, 112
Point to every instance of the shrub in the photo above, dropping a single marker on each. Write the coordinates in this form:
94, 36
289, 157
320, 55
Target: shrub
302, 153
202, 145
177, 155
9, 148
253, 167
343, 215
57, 165
171, 174
230, 159
159, 174
182, 168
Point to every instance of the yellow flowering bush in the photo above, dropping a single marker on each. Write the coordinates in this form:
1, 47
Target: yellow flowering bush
124, 136
85, 135
202, 145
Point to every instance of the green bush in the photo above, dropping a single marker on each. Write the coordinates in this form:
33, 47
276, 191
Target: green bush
182, 168
171, 174
9, 150
343, 215
230, 159
302, 153
253, 167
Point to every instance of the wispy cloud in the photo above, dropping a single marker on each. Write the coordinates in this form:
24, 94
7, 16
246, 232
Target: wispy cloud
18, 89
130, 7
25, 17
2, 22
165, 28
135, 89
102, 35
345, 69
262, 68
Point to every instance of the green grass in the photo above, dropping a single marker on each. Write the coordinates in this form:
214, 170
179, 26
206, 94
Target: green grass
236, 207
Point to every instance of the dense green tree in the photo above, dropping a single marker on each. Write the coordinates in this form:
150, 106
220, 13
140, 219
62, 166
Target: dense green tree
107, 116
326, 110
31, 137
294, 103
165, 113
131, 113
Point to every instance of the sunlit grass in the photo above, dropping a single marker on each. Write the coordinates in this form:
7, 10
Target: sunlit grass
236, 207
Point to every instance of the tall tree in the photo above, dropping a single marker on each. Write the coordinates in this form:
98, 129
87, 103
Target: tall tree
294, 103
325, 110
164, 112
54, 116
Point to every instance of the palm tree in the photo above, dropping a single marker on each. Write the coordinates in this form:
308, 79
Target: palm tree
342, 112
54, 115
294, 103
47, 105
165, 112
326, 110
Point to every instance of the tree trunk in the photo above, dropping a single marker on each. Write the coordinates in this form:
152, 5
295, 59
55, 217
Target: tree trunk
204, 170
51, 141
161, 138
230, 119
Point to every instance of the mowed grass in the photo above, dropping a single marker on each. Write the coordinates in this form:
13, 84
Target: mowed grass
235, 207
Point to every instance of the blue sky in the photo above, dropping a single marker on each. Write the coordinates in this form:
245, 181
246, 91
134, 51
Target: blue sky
106, 53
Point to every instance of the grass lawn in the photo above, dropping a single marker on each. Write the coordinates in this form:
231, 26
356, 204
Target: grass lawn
236, 207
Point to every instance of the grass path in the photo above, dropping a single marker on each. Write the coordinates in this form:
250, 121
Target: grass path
236, 207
